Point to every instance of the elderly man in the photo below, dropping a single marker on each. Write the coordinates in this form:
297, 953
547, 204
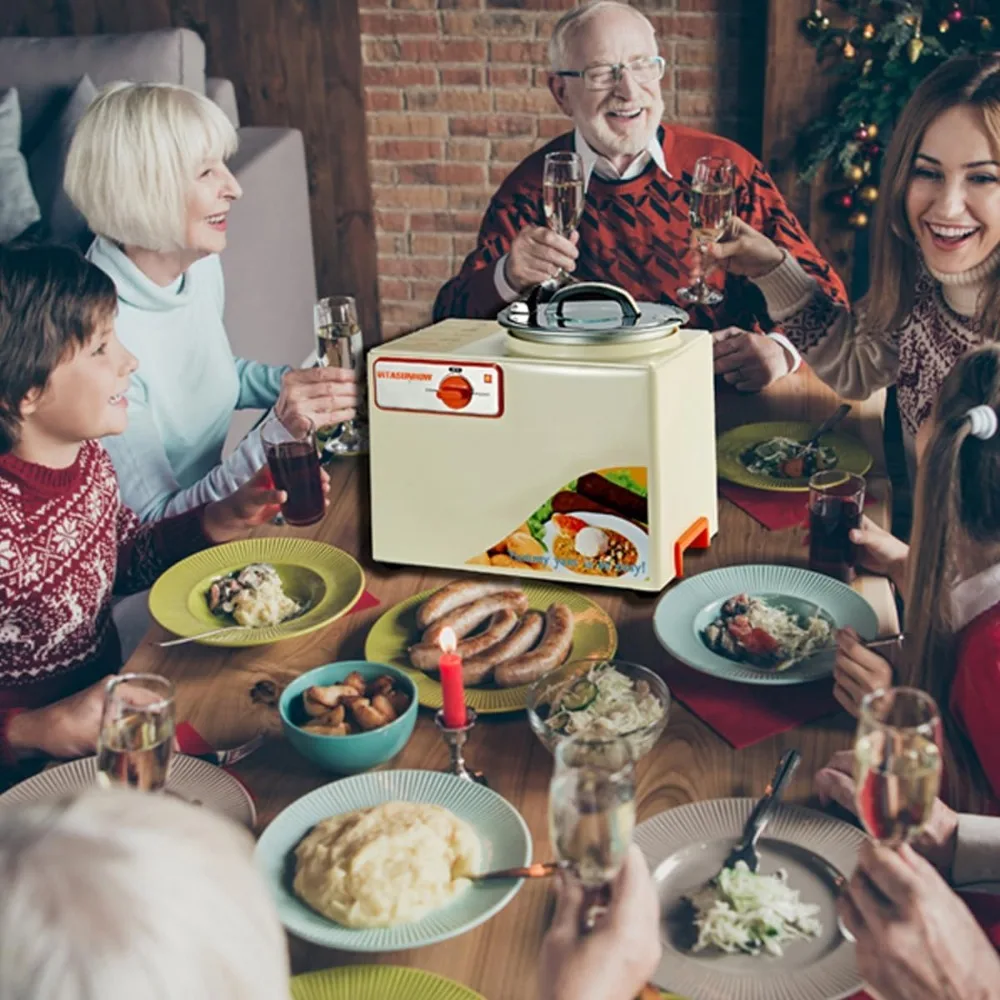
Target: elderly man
605, 75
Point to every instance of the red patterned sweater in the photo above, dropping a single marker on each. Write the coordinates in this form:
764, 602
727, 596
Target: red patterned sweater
636, 233
67, 544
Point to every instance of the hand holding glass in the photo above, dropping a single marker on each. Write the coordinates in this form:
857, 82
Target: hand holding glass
897, 763
338, 345
836, 505
563, 197
710, 209
294, 465
136, 741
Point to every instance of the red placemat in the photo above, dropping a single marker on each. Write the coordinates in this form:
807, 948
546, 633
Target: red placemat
771, 508
366, 601
744, 714
190, 741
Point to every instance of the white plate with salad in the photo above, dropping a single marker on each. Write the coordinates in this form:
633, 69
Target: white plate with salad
770, 936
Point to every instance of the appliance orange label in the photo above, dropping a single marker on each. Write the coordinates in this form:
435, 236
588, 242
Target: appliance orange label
596, 526
472, 390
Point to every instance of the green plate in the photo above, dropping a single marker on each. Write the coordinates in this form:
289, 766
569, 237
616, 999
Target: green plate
682, 613
503, 834
378, 982
390, 637
331, 580
852, 455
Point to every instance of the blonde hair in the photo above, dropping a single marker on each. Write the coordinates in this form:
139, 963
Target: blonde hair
134, 156
957, 507
118, 895
972, 81
573, 20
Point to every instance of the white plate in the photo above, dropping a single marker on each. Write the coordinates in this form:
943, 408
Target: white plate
190, 779
685, 848
609, 522
503, 834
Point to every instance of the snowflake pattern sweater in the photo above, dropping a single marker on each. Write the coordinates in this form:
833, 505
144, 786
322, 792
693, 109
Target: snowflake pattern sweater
636, 233
66, 544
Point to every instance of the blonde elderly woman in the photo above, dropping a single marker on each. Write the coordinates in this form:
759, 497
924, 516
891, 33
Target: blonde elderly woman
147, 169
121, 895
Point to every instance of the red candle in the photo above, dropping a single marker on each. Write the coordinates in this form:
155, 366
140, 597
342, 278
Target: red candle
452, 689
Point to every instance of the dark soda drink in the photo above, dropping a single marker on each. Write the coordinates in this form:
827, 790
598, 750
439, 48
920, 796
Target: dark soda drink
836, 501
295, 468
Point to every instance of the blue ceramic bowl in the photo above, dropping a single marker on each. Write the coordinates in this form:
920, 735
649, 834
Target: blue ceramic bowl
360, 751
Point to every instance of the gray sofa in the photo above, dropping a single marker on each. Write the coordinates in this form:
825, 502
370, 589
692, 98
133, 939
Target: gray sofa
270, 275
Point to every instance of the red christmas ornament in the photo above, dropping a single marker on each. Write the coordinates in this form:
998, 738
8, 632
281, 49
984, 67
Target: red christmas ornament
873, 150
846, 200
955, 14
861, 134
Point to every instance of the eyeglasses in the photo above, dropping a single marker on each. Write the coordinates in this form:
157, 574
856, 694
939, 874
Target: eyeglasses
604, 76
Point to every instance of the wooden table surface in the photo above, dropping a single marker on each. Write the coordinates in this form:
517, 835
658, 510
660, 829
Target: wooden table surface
216, 693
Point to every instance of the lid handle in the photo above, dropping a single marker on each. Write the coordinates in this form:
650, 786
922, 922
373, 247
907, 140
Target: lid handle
595, 291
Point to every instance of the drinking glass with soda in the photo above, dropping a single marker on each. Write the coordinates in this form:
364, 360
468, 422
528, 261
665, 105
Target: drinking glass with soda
836, 504
294, 463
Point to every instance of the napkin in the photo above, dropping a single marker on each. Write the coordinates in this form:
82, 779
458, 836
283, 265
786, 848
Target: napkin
771, 508
366, 601
191, 742
744, 714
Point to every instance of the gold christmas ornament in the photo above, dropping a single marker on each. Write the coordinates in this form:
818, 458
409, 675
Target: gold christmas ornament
854, 173
858, 220
868, 32
868, 194
866, 67
943, 25
914, 47
849, 51
872, 130
985, 25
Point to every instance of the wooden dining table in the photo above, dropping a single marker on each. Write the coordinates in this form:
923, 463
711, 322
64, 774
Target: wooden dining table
229, 694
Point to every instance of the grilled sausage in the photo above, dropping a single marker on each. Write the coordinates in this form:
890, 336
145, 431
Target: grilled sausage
425, 655
567, 502
470, 616
454, 595
477, 669
624, 502
552, 650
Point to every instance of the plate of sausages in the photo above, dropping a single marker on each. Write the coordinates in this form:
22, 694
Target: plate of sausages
509, 634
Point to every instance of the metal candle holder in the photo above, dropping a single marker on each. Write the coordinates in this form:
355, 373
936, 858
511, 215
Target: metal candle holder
455, 741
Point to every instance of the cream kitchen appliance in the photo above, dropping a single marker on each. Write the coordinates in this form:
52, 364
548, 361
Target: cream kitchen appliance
573, 440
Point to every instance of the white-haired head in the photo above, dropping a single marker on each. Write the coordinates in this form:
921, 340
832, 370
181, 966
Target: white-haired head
121, 895
134, 157
573, 20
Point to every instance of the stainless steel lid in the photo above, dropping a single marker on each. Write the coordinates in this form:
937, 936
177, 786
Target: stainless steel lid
590, 312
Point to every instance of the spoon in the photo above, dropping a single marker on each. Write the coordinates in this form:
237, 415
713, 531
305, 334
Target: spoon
203, 635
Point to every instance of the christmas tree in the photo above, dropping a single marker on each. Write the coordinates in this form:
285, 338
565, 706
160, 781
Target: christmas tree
881, 50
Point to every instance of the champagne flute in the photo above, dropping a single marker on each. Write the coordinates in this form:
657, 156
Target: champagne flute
711, 207
136, 741
897, 763
562, 192
339, 345
592, 813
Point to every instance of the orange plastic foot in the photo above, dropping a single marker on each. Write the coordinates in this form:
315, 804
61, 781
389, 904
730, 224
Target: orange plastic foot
696, 537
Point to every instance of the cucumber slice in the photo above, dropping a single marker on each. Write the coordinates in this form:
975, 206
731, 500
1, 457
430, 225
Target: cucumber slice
580, 695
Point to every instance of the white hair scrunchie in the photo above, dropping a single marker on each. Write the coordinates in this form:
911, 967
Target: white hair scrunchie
984, 422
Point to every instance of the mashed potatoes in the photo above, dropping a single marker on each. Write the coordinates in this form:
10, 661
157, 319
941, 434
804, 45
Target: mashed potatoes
252, 597
390, 864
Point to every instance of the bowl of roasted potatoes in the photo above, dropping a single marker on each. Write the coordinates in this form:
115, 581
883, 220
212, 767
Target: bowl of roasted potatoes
349, 716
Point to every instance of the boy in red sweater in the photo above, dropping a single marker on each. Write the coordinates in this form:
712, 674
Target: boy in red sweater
605, 74
66, 542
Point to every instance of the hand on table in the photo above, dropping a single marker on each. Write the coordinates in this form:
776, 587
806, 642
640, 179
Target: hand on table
916, 939
537, 254
880, 551
256, 502
936, 842
857, 671
616, 959
749, 361
65, 729
322, 396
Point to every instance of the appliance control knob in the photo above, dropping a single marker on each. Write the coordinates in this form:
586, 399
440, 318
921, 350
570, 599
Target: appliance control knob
455, 391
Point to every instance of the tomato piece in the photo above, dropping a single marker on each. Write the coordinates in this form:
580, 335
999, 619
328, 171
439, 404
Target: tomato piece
566, 522
761, 643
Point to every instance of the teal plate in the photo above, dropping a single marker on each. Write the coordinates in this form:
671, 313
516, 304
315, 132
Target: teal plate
503, 834
684, 611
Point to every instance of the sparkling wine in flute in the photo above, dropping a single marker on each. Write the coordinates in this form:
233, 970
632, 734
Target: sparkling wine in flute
710, 210
896, 788
592, 828
563, 202
338, 345
135, 752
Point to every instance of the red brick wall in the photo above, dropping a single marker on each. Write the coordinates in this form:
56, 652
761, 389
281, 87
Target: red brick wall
456, 96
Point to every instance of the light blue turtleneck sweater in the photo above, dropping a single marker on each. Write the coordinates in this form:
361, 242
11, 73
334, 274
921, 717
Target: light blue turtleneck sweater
183, 394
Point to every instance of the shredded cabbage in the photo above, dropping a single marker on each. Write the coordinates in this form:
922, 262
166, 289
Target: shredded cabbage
743, 912
619, 708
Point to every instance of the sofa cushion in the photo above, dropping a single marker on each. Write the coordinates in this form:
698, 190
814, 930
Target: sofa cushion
45, 70
47, 164
18, 207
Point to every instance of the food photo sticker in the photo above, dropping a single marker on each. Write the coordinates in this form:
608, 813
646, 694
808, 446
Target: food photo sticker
596, 525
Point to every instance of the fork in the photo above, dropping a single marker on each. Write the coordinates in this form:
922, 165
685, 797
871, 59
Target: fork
226, 758
746, 849
203, 635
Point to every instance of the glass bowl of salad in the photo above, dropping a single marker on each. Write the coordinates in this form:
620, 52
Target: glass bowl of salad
600, 699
